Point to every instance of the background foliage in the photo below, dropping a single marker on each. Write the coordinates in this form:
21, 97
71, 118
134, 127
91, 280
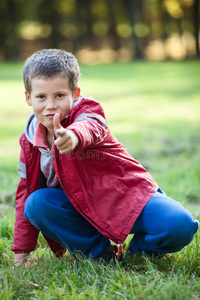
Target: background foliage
101, 30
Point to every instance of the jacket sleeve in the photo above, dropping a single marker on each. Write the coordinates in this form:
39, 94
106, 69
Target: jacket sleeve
25, 234
89, 123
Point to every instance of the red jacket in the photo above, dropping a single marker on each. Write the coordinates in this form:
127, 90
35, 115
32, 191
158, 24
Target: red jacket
102, 181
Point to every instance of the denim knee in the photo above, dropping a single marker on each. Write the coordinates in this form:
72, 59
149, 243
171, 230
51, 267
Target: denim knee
32, 208
182, 230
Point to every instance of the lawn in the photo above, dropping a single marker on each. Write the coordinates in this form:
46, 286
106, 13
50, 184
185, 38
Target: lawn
154, 109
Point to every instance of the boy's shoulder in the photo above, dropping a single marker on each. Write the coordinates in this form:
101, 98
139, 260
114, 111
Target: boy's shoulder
87, 104
88, 109
85, 100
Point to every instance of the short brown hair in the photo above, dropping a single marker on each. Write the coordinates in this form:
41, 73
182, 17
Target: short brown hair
49, 63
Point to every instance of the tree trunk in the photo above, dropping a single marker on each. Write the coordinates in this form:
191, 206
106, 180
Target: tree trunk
196, 24
134, 8
11, 46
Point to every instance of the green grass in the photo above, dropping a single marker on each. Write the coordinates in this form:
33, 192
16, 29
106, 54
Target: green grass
154, 109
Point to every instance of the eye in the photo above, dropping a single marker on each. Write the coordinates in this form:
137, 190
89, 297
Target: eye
59, 96
41, 97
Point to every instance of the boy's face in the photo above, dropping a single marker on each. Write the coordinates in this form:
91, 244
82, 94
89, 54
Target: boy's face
50, 96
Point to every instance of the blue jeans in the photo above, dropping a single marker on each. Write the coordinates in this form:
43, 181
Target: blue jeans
164, 226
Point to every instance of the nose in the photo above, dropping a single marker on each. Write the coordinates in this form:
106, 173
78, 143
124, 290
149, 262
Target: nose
51, 104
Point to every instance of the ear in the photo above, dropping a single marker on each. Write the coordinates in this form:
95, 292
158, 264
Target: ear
28, 98
77, 94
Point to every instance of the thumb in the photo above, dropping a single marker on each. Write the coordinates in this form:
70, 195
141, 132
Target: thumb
56, 122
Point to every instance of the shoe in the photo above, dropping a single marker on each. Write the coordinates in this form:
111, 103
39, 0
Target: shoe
110, 255
128, 251
148, 254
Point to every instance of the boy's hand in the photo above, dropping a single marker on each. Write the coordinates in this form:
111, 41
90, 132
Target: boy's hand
66, 140
20, 259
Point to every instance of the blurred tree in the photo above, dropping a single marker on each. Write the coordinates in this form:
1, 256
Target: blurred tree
134, 9
82, 28
47, 13
26, 26
9, 15
196, 24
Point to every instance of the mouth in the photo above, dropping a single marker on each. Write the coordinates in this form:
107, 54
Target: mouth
50, 116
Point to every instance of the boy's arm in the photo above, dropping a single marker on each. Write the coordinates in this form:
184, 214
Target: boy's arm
89, 124
25, 234
20, 258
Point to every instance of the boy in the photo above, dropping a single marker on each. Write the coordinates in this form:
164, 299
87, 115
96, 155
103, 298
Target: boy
78, 185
